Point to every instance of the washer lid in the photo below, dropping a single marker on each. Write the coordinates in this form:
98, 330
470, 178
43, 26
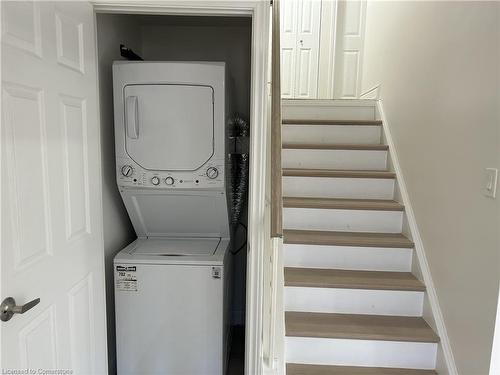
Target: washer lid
169, 126
176, 247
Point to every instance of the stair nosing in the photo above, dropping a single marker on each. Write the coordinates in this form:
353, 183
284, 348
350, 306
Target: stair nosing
335, 146
338, 238
338, 173
343, 204
331, 122
331, 278
356, 320
306, 368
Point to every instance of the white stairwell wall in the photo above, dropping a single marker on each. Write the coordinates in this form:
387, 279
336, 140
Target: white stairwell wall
439, 82
445, 363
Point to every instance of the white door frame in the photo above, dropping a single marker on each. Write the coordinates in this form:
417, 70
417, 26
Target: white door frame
259, 10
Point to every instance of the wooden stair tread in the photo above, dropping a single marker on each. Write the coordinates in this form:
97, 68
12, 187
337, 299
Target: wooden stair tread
361, 239
331, 122
306, 369
359, 327
343, 204
336, 146
298, 172
350, 279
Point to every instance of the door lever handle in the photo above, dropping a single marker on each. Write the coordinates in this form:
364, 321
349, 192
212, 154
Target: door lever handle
8, 308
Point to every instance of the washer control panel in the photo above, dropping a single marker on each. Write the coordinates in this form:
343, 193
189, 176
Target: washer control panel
208, 176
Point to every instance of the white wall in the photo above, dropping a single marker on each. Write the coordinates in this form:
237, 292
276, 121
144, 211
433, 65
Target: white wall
438, 66
118, 232
204, 39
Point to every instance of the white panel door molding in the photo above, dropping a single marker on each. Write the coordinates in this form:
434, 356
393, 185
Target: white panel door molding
300, 34
349, 48
327, 42
52, 245
288, 24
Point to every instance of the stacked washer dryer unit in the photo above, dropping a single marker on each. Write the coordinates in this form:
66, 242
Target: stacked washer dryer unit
171, 284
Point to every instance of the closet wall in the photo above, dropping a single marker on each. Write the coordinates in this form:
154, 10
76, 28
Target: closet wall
204, 39
112, 30
161, 38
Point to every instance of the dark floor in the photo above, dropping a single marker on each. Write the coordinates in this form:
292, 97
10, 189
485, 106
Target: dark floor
237, 356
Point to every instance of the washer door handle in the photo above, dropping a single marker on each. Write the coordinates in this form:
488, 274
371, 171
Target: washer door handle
8, 308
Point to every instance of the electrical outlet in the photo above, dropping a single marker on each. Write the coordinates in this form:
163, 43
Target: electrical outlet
490, 182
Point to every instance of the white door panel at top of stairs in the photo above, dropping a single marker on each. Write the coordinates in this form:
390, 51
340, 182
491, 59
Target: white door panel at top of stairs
350, 352
342, 220
354, 301
348, 257
335, 159
300, 34
333, 187
326, 134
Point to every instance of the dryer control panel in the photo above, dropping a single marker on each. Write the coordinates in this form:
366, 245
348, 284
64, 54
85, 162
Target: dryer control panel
209, 176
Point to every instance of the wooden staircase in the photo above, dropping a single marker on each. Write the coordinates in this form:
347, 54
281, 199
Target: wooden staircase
352, 304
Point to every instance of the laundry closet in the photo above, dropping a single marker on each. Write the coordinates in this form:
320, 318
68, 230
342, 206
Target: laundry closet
199, 40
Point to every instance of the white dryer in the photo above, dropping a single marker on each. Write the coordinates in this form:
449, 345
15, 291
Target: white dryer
172, 284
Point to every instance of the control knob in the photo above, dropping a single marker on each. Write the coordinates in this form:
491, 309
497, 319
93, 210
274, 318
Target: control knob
169, 180
212, 173
127, 170
155, 180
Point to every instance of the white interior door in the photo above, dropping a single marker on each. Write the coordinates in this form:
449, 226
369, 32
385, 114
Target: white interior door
349, 49
51, 200
300, 34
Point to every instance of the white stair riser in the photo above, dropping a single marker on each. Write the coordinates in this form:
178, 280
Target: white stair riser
328, 110
328, 187
327, 134
373, 353
343, 220
348, 257
334, 159
354, 301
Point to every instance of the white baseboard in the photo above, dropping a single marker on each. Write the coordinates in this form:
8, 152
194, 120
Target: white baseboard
419, 247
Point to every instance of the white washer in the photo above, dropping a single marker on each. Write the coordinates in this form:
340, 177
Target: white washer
170, 315
172, 283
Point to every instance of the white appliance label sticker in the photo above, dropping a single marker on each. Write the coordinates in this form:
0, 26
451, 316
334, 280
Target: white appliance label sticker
126, 278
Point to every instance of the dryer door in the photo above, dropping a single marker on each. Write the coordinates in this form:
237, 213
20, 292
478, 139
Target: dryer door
168, 126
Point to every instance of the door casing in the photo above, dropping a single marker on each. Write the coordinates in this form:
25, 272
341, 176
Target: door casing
256, 318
